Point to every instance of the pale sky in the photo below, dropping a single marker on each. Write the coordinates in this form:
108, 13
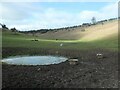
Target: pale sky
41, 15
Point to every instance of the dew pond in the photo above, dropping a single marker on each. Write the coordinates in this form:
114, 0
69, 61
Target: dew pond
34, 60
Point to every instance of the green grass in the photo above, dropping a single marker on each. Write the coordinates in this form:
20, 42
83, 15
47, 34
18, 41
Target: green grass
21, 44
10, 39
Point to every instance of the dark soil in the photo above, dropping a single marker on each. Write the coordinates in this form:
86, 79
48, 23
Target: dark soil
90, 72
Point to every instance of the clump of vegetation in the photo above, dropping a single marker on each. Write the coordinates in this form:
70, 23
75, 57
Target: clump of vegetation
14, 30
4, 26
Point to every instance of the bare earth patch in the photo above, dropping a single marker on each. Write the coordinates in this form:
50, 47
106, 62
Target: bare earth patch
90, 72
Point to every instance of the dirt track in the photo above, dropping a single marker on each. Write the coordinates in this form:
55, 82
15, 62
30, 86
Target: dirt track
90, 72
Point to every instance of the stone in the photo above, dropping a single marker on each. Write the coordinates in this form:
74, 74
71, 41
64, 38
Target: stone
73, 61
99, 55
39, 69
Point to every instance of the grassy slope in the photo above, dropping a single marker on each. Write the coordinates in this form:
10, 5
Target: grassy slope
21, 40
91, 33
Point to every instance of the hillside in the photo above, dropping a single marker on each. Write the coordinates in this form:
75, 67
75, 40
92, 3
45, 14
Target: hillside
96, 36
94, 32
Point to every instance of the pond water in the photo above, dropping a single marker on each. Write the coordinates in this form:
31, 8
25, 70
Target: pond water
34, 60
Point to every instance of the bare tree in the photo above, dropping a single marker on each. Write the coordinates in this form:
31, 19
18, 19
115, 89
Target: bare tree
93, 20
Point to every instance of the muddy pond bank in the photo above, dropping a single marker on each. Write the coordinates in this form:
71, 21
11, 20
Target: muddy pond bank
90, 72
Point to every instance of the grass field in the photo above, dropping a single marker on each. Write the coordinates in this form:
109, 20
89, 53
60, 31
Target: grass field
105, 36
93, 38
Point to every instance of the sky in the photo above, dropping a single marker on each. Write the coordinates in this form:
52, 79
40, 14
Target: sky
26, 16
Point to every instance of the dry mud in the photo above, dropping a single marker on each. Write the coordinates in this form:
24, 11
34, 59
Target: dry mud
90, 72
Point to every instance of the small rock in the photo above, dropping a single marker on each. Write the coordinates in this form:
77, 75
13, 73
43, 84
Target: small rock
56, 52
73, 61
61, 44
99, 55
39, 69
